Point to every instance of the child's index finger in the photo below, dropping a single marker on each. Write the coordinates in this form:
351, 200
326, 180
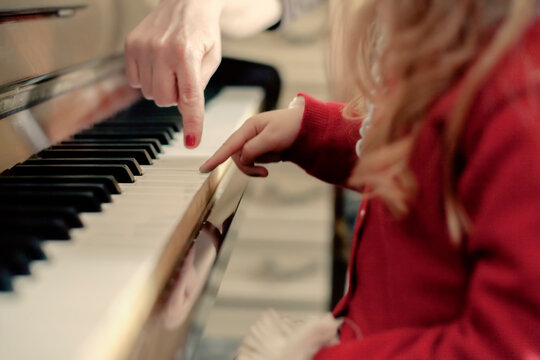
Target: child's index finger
233, 144
213, 161
222, 154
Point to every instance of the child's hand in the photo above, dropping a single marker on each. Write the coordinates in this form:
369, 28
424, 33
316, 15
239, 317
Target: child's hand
262, 139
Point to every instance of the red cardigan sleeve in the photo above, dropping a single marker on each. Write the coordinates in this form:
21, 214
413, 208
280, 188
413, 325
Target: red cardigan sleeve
500, 187
325, 146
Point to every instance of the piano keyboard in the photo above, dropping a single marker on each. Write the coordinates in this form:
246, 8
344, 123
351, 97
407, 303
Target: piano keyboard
87, 223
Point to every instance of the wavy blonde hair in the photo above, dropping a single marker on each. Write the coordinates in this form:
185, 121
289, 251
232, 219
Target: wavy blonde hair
399, 56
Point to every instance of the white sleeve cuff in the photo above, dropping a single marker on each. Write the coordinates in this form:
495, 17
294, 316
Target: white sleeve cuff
242, 18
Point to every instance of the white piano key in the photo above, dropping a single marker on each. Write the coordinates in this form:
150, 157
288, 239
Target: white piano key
86, 300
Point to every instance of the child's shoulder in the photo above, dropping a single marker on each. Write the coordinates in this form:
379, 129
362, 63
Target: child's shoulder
516, 77
509, 100
518, 71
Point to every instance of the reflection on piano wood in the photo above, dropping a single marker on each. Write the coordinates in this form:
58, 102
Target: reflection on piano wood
86, 298
109, 235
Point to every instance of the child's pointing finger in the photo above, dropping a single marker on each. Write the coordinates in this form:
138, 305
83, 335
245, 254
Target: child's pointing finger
232, 145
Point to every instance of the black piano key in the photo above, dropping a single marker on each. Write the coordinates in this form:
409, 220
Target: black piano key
121, 173
5, 279
148, 109
69, 215
131, 163
142, 116
140, 126
174, 124
16, 254
30, 245
162, 136
42, 227
33, 250
15, 262
98, 190
109, 182
211, 91
148, 143
81, 201
138, 152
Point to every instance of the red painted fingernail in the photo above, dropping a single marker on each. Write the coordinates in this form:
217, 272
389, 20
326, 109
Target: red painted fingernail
190, 140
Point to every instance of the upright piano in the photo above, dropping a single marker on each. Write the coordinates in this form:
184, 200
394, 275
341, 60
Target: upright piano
112, 244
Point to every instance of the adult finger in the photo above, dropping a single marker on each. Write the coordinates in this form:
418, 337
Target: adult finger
190, 99
132, 70
164, 88
145, 72
210, 64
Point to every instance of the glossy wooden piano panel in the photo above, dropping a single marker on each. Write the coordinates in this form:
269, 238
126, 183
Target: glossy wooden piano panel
93, 294
96, 225
58, 115
40, 37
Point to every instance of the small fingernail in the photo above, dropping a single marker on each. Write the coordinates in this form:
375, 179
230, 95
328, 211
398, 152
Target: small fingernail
189, 140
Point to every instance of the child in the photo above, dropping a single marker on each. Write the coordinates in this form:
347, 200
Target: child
445, 260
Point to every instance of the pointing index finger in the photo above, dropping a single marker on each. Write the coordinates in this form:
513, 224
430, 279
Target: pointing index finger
190, 100
231, 146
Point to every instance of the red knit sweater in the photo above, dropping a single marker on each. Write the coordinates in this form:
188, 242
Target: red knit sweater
413, 295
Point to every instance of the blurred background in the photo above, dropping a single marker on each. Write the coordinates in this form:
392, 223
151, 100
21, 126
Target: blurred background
283, 257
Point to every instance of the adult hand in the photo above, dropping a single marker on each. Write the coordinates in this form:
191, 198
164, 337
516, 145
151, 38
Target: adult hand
172, 54
261, 139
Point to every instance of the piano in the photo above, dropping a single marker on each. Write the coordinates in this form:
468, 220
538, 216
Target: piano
112, 244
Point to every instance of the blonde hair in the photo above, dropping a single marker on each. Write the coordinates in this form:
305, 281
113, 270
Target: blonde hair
399, 56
